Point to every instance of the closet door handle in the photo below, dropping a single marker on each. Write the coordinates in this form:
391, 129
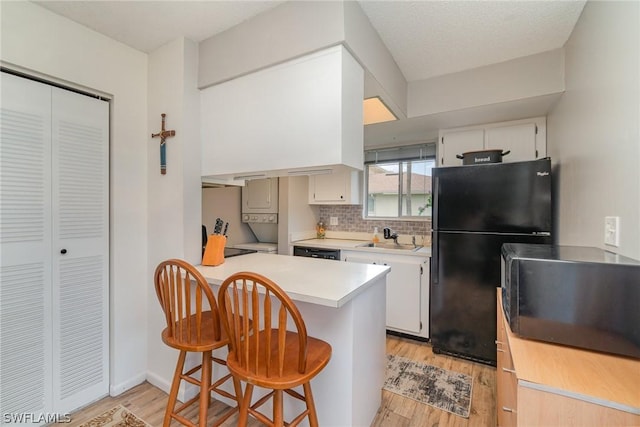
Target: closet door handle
63, 251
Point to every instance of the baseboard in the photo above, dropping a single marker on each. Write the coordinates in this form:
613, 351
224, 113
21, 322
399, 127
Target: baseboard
184, 394
117, 389
159, 382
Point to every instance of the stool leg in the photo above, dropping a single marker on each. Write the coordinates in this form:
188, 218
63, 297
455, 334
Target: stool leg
278, 417
205, 383
238, 389
173, 393
311, 406
243, 417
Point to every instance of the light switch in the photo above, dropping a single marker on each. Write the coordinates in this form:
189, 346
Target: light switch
612, 231
333, 220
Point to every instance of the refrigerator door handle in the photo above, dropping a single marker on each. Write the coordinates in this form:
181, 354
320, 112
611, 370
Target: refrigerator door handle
435, 192
434, 258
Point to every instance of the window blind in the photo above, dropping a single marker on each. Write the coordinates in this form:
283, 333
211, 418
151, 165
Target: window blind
405, 152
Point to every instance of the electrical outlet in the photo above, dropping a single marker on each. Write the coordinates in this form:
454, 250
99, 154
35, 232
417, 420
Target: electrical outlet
333, 220
612, 230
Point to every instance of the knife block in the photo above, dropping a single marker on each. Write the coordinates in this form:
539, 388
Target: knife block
214, 251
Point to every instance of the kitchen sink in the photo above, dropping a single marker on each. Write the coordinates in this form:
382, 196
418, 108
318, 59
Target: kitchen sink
397, 246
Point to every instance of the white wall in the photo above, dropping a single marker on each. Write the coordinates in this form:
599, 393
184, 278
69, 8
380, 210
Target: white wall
593, 133
175, 215
290, 30
295, 214
38, 40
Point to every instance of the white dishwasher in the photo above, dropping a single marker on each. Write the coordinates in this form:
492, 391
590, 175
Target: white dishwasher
407, 296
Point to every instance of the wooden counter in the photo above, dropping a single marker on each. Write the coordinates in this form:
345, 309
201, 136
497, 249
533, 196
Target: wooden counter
541, 383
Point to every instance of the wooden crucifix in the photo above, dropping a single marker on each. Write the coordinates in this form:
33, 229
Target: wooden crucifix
163, 134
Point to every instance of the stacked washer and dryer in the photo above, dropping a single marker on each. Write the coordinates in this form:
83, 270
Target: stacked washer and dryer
260, 212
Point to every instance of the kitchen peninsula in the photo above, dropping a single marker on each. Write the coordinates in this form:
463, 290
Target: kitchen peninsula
343, 304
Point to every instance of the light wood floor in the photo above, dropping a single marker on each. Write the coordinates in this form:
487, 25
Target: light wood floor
148, 402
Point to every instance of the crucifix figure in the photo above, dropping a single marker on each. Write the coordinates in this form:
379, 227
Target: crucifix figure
163, 134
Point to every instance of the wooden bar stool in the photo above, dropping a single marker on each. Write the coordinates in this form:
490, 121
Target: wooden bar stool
272, 357
193, 325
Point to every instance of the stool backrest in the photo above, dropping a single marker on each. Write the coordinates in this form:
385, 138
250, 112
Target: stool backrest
258, 338
186, 299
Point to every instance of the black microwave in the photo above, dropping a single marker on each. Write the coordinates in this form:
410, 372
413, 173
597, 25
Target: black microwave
578, 296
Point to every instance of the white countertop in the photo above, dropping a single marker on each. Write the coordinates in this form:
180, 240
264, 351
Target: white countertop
317, 281
358, 245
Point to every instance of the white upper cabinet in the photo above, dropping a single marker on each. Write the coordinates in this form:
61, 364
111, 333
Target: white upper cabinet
519, 140
458, 143
342, 187
524, 139
304, 114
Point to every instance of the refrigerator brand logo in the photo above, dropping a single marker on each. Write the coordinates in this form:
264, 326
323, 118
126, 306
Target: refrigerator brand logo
542, 173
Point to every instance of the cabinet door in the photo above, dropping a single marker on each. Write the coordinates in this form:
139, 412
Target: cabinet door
403, 296
506, 379
519, 139
342, 186
425, 282
453, 143
404, 289
331, 187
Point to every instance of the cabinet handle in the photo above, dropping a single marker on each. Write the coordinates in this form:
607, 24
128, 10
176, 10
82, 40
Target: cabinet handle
499, 342
500, 350
505, 409
509, 370
63, 251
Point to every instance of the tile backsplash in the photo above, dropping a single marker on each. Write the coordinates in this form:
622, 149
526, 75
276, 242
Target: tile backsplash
350, 219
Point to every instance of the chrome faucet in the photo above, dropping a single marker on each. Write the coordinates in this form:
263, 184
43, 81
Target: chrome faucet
390, 234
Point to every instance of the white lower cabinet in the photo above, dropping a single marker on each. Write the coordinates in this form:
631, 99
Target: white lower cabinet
407, 290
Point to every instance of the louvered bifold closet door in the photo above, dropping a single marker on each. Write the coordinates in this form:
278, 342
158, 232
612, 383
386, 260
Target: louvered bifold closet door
25, 248
80, 256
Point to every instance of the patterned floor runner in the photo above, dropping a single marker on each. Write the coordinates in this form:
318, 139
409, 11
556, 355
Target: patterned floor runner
116, 417
440, 388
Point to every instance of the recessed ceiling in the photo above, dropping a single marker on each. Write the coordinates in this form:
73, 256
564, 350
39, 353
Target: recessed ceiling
426, 38
432, 38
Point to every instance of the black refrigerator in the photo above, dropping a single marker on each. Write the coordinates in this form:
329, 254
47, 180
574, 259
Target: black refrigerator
476, 209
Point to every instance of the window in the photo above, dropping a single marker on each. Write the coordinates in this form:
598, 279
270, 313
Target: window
398, 182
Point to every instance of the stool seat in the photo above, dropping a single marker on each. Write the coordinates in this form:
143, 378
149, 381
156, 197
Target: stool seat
318, 355
205, 342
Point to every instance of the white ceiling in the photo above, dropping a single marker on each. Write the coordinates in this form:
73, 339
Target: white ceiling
426, 38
